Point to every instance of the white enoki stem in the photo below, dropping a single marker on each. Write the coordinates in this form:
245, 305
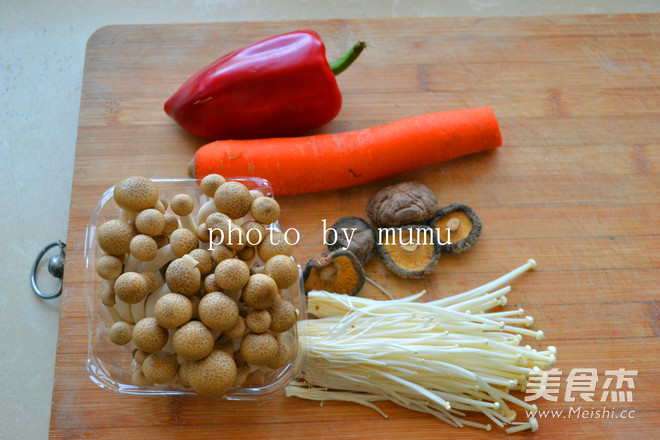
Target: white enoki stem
445, 357
379, 287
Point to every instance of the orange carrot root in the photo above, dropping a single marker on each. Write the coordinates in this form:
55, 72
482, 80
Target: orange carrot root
333, 161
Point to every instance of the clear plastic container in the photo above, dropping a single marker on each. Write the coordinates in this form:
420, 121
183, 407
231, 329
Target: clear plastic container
111, 366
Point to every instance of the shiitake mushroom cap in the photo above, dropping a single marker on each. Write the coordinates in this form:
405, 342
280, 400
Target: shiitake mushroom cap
402, 204
466, 228
411, 251
336, 271
363, 240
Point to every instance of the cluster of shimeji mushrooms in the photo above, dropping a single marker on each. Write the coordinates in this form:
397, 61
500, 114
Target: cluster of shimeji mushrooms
199, 297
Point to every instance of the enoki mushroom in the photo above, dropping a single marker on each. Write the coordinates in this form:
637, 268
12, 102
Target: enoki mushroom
446, 357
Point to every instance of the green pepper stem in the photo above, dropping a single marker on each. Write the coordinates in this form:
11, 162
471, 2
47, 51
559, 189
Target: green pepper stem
347, 59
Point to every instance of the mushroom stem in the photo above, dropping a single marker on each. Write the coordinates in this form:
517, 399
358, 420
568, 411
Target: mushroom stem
188, 222
127, 216
453, 224
329, 272
379, 287
132, 264
163, 256
207, 209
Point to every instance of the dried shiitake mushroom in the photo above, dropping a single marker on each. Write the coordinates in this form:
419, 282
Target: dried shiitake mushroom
362, 237
410, 251
336, 271
402, 204
457, 228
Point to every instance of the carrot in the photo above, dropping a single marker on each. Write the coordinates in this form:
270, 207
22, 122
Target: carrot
332, 161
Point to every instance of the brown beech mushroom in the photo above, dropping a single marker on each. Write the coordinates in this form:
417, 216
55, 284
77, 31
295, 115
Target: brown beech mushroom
148, 336
114, 237
121, 333
402, 204
265, 210
233, 198
283, 270
410, 251
182, 241
209, 283
193, 341
258, 320
457, 228
232, 274
254, 232
160, 367
209, 185
109, 267
183, 205
150, 222
255, 194
182, 276
218, 311
238, 330
131, 287
336, 272
260, 292
284, 353
220, 253
173, 310
213, 375
139, 379
282, 316
204, 259
274, 243
259, 349
171, 223
142, 248
353, 234
135, 194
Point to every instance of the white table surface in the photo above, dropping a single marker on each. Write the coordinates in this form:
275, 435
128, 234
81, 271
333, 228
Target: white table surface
42, 48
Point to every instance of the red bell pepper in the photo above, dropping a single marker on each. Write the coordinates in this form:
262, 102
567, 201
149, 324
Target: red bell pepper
281, 86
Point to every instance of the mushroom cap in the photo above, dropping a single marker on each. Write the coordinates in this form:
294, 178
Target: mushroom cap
193, 341
284, 354
233, 199
136, 193
152, 279
336, 271
139, 356
148, 336
173, 310
402, 204
363, 239
204, 259
184, 372
182, 204
121, 333
139, 379
108, 296
213, 375
236, 238
254, 232
258, 320
114, 237
255, 193
209, 283
143, 247
265, 210
171, 223
218, 311
260, 292
238, 330
273, 244
109, 267
131, 287
161, 240
160, 207
283, 269
182, 277
410, 251
203, 233
150, 222
210, 183
282, 316
259, 349
232, 274
218, 220
160, 367
220, 253
464, 225
246, 254
183, 241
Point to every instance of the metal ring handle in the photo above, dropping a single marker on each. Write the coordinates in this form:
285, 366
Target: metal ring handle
55, 267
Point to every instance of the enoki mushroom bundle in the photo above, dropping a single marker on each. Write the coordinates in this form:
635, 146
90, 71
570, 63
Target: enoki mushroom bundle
447, 357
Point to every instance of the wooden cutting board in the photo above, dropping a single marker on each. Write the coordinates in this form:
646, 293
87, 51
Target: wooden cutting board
574, 186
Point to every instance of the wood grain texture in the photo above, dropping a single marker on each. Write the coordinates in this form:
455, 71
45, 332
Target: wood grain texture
575, 186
